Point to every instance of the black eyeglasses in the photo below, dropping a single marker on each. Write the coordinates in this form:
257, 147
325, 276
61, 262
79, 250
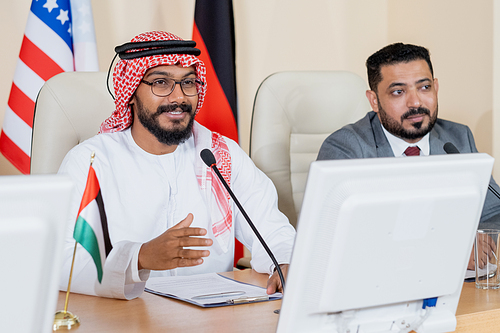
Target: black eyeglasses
164, 87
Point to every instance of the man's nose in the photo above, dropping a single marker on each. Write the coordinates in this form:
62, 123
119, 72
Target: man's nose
177, 94
413, 99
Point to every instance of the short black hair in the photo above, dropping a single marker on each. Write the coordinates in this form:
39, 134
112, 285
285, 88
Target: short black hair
394, 54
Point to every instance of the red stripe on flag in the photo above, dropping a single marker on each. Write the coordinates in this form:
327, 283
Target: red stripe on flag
91, 190
21, 104
38, 61
239, 251
14, 154
216, 113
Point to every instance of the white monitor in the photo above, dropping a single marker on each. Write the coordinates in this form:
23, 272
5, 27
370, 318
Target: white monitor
33, 214
377, 236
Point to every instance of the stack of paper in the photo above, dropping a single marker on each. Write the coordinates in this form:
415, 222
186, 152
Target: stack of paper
208, 290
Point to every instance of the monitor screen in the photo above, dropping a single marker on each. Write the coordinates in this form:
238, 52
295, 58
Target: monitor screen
33, 215
377, 236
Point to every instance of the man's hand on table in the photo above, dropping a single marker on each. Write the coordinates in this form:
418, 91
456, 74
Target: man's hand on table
486, 247
274, 282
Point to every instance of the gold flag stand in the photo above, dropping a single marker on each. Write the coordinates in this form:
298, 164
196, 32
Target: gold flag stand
63, 319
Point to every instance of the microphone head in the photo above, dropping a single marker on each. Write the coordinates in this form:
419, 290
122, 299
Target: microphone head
208, 157
450, 148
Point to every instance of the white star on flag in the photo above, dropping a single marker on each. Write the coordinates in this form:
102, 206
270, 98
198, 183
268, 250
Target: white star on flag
83, 35
84, 27
84, 10
63, 16
51, 4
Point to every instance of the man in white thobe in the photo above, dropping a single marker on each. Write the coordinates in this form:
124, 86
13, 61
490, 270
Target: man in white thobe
167, 213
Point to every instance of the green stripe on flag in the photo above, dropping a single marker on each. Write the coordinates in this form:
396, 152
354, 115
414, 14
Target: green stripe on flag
84, 234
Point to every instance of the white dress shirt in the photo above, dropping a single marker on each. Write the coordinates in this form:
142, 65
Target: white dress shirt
399, 145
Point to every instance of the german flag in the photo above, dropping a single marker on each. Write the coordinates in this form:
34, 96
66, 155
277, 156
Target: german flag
213, 32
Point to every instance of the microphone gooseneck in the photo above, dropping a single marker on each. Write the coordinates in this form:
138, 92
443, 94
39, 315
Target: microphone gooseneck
450, 148
208, 157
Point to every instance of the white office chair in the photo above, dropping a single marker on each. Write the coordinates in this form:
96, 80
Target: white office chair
69, 109
293, 114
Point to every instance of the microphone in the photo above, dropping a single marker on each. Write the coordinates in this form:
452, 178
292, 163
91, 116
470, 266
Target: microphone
208, 157
450, 148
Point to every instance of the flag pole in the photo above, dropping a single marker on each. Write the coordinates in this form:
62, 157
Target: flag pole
64, 319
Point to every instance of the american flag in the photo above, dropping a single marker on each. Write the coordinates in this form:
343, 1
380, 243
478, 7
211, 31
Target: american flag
59, 37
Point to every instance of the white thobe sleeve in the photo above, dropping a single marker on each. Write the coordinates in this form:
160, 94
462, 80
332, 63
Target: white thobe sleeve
121, 277
258, 196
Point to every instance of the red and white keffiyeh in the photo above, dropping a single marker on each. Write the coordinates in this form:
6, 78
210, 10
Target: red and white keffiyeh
216, 196
128, 74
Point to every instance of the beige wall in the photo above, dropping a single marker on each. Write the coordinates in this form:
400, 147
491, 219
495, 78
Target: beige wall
277, 35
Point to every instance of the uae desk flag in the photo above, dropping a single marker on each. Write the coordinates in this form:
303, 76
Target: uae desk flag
213, 32
59, 37
91, 228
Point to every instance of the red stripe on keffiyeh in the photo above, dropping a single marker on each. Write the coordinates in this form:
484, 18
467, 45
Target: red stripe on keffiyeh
223, 160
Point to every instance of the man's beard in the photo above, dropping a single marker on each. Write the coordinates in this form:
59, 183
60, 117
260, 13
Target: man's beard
172, 137
396, 128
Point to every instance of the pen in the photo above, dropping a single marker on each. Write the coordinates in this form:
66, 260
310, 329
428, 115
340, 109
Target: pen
222, 294
248, 299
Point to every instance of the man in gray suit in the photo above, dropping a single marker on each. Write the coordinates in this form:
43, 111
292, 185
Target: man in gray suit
403, 96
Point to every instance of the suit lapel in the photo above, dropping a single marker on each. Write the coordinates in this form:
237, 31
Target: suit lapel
435, 143
382, 145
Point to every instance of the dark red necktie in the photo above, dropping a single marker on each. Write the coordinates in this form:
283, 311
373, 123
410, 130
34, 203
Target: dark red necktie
412, 151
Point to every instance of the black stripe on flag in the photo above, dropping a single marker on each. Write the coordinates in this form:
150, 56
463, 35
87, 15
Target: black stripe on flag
215, 23
104, 223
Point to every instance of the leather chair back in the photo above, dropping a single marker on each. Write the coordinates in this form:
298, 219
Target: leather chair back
69, 109
293, 114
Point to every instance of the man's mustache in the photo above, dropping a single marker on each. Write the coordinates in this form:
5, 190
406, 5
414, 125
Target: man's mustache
415, 111
173, 107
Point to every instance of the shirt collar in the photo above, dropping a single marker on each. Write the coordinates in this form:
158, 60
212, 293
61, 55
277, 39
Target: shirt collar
399, 145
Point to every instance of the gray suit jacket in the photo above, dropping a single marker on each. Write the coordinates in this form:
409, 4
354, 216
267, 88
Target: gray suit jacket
366, 139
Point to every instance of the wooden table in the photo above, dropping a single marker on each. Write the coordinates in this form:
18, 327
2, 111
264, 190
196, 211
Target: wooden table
151, 313
478, 311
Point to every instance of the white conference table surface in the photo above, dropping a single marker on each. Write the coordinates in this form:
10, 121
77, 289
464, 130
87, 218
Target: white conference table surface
478, 311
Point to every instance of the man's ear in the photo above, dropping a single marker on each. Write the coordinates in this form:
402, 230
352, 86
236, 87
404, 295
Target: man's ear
372, 99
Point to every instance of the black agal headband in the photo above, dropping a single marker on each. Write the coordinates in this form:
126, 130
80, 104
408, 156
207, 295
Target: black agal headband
133, 50
130, 50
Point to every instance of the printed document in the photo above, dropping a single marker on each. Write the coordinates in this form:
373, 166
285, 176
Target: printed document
208, 290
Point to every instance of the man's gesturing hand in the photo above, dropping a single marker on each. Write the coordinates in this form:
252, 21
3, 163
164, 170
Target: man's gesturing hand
167, 251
